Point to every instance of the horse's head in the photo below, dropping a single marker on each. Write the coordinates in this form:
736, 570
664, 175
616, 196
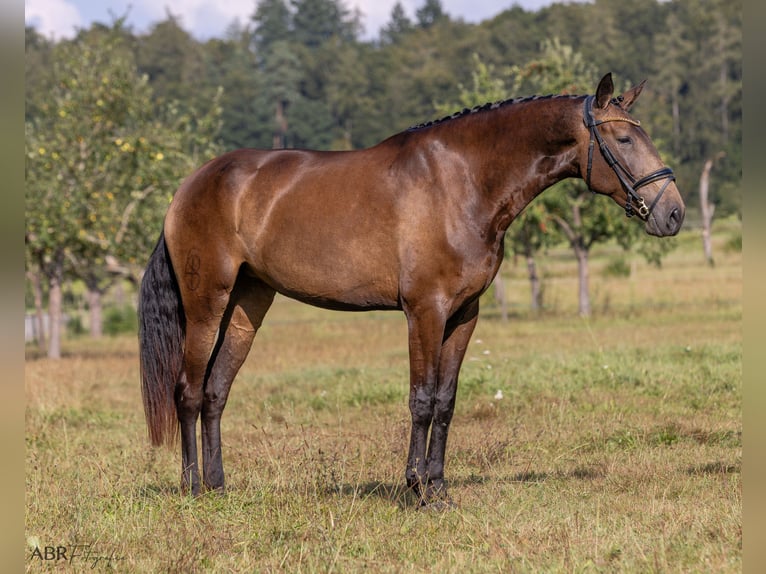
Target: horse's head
618, 159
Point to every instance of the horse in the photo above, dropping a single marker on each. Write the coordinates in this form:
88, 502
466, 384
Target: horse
415, 223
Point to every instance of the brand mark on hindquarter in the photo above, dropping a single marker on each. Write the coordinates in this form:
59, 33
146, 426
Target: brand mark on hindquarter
191, 270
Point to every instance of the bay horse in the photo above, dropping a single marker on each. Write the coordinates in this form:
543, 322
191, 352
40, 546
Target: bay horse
415, 223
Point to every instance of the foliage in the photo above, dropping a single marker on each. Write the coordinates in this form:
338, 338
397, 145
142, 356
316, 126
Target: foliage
688, 50
102, 162
298, 75
617, 267
119, 320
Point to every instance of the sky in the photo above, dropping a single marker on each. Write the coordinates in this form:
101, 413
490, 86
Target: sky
206, 19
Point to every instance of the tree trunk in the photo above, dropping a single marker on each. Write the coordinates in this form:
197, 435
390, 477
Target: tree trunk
534, 283
55, 296
580, 248
499, 291
582, 273
280, 129
37, 293
94, 303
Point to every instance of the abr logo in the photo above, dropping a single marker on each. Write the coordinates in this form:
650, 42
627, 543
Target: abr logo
54, 553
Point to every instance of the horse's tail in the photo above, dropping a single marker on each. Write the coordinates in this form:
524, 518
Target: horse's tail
161, 340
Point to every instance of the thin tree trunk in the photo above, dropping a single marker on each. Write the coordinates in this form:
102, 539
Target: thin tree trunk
582, 274
580, 248
94, 303
55, 296
498, 287
37, 293
534, 282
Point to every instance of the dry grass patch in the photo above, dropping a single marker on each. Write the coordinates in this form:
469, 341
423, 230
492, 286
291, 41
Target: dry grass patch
612, 444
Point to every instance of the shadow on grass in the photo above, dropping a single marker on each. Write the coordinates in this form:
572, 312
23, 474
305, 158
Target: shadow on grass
405, 498
710, 468
155, 491
402, 496
34, 354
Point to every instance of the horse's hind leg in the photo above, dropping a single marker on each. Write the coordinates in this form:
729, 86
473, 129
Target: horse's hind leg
247, 307
200, 340
205, 291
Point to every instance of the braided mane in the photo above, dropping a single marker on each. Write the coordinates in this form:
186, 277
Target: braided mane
488, 106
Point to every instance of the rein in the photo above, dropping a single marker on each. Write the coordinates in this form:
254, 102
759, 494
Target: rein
630, 184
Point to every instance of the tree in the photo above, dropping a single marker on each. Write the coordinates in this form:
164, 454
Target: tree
583, 218
531, 234
431, 13
673, 50
232, 64
102, 162
280, 70
273, 23
710, 95
317, 21
37, 56
398, 25
171, 59
347, 93
707, 208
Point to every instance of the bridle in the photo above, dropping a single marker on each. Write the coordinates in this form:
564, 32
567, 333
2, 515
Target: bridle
630, 184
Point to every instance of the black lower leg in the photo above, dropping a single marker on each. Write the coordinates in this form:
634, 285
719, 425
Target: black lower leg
436, 487
213, 476
189, 466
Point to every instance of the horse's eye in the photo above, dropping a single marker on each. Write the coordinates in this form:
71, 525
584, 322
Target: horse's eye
624, 140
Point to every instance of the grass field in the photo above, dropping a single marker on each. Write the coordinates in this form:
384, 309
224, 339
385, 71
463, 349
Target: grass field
616, 445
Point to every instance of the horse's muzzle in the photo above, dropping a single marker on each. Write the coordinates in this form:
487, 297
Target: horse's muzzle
666, 220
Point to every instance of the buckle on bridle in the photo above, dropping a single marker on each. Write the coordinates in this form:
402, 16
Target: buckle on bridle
643, 209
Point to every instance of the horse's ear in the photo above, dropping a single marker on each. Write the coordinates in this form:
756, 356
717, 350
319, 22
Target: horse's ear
604, 91
629, 97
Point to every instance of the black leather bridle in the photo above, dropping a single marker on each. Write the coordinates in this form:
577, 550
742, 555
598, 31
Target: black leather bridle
630, 184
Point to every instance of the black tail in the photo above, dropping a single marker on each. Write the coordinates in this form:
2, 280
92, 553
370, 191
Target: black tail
161, 326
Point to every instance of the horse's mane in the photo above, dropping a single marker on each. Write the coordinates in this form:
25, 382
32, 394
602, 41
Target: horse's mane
488, 106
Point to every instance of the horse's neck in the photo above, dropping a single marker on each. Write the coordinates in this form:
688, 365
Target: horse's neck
520, 150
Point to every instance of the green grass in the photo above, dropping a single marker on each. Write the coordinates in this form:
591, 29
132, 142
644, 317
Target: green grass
616, 445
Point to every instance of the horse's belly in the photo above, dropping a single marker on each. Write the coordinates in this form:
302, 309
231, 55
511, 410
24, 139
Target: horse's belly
334, 277
332, 287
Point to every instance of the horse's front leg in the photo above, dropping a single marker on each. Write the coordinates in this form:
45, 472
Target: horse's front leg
456, 340
426, 331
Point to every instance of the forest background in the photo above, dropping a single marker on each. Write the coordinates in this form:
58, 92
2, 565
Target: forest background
115, 119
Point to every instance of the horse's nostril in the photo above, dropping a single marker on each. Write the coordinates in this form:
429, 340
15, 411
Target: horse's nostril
674, 220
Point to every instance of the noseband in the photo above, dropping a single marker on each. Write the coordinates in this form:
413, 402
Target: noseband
630, 184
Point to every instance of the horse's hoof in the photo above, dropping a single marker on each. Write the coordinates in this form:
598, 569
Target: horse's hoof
439, 505
437, 500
